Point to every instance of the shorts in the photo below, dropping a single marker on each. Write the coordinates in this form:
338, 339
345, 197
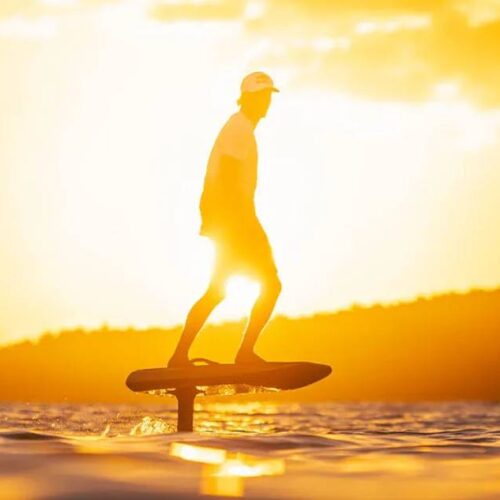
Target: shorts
245, 251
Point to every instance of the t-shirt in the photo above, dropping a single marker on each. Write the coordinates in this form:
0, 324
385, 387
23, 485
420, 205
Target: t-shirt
221, 203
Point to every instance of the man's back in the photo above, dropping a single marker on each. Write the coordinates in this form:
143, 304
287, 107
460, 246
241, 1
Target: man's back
231, 177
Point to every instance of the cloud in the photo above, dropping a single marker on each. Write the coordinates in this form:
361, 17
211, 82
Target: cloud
382, 49
208, 10
16, 7
394, 56
469, 54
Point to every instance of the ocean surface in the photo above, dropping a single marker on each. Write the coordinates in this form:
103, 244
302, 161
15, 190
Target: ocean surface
252, 450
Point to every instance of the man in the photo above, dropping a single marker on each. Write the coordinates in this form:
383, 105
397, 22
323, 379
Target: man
229, 218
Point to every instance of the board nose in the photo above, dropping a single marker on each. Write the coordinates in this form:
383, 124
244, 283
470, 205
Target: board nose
321, 371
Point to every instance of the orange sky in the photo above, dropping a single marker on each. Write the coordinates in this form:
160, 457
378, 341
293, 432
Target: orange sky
379, 169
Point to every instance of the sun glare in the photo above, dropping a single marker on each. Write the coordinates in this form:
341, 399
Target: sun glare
241, 293
104, 164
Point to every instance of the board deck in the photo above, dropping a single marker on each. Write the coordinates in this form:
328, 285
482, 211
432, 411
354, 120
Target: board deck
228, 378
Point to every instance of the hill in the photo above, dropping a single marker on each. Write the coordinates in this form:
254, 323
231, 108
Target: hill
442, 348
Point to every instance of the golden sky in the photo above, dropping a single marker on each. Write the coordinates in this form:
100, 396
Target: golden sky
379, 160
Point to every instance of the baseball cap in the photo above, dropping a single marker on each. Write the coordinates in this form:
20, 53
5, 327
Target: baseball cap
257, 81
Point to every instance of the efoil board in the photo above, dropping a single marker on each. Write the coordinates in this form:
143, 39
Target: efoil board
222, 378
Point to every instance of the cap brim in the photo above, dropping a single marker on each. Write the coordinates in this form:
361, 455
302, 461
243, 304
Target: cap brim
272, 89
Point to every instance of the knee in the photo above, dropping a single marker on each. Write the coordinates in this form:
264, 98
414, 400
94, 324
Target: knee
272, 286
215, 294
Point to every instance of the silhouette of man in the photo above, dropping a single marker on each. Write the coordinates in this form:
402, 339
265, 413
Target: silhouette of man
228, 217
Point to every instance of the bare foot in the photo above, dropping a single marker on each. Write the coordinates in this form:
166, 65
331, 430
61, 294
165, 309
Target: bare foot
177, 361
248, 358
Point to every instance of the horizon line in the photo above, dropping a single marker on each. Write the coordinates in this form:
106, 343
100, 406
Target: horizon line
353, 306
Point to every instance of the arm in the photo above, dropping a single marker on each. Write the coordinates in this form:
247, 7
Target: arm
233, 186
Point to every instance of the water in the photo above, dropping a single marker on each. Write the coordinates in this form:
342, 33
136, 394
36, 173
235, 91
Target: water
254, 450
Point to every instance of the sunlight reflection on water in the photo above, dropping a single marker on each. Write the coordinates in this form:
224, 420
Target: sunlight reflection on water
260, 450
223, 471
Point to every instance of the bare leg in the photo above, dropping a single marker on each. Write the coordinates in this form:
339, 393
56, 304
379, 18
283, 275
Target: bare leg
261, 312
196, 318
